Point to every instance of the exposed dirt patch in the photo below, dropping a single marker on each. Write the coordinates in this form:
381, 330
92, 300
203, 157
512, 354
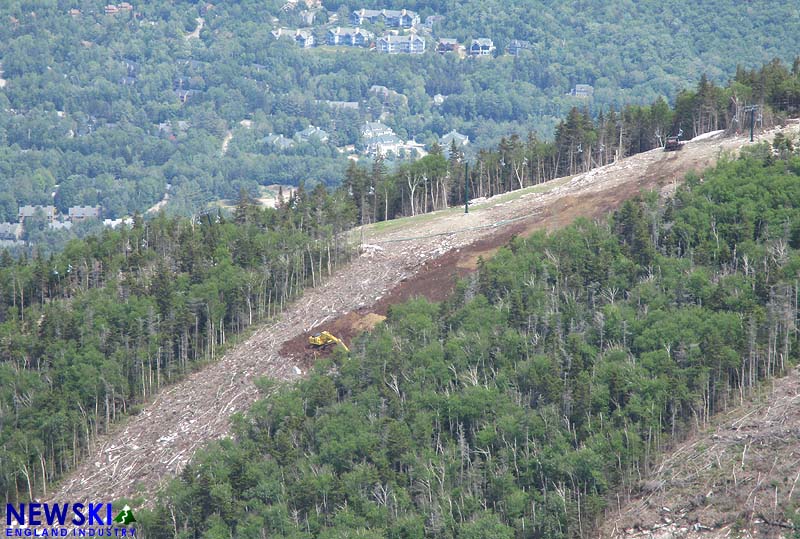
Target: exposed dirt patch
344, 327
226, 141
434, 281
369, 321
195, 34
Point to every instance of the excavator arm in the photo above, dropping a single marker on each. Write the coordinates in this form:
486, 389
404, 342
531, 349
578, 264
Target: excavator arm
325, 338
341, 342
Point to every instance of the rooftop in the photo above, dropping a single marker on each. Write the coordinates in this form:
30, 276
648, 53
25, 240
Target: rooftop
454, 136
312, 131
345, 30
373, 128
392, 38
84, 211
29, 211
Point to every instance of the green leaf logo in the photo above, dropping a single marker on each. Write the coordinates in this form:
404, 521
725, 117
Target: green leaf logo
125, 516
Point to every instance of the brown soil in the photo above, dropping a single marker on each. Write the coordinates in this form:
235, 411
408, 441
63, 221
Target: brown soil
419, 258
437, 278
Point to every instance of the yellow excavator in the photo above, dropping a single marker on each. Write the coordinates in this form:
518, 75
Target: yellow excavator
324, 339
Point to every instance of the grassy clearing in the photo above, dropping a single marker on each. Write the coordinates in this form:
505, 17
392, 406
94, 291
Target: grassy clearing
514, 195
403, 222
394, 225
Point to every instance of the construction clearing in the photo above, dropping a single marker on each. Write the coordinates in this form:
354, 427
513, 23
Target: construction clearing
417, 256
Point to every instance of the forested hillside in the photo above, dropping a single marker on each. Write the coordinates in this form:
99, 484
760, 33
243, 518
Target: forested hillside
552, 377
632, 52
119, 109
90, 334
581, 142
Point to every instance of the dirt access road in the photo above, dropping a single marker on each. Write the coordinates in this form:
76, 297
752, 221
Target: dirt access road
139, 455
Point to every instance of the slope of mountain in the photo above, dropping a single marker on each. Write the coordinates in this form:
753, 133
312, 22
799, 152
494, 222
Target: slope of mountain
550, 378
737, 476
401, 259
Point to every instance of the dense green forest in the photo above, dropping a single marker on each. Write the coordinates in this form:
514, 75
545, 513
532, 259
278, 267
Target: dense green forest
581, 142
548, 380
92, 111
88, 335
